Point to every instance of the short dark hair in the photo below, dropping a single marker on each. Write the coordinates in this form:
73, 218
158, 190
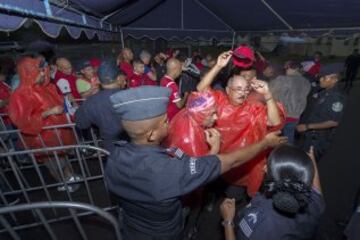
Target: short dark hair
288, 181
137, 62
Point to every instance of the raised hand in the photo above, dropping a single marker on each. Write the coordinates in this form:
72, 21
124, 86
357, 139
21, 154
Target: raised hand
274, 139
213, 138
224, 58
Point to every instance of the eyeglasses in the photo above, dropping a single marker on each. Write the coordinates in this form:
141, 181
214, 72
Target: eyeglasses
241, 89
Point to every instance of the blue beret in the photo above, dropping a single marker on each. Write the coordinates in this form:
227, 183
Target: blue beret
108, 71
141, 103
334, 68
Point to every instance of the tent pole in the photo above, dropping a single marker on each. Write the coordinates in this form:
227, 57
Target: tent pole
122, 38
213, 14
277, 15
182, 14
233, 40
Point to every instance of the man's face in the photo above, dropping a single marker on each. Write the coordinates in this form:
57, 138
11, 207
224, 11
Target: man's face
65, 67
139, 68
146, 60
88, 72
269, 72
178, 70
40, 79
162, 128
211, 119
328, 81
238, 90
128, 54
248, 74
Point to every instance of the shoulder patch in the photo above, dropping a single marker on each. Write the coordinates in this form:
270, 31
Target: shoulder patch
248, 223
337, 107
251, 219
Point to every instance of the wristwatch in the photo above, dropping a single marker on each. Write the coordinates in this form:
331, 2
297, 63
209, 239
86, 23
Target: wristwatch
226, 223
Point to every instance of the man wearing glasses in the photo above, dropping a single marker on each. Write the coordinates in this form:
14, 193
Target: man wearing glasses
242, 121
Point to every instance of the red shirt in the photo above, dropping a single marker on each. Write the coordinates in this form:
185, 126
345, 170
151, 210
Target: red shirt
66, 84
137, 80
5, 92
127, 68
315, 69
172, 109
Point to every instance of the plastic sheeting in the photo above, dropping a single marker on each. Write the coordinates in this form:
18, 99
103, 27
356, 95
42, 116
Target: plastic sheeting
241, 126
186, 130
28, 103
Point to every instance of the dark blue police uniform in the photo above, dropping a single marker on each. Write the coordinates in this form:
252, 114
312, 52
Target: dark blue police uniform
149, 180
97, 110
328, 106
259, 220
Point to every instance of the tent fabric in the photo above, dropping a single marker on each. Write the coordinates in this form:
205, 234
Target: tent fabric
52, 26
188, 19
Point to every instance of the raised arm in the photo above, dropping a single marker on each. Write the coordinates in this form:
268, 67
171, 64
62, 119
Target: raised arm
273, 113
222, 60
242, 155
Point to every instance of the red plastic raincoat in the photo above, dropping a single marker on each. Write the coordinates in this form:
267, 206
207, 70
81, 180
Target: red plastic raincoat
241, 126
186, 131
28, 103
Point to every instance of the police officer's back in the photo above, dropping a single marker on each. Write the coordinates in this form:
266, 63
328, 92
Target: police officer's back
149, 180
288, 207
97, 109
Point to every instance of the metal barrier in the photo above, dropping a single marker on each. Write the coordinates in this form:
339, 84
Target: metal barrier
12, 139
81, 222
73, 173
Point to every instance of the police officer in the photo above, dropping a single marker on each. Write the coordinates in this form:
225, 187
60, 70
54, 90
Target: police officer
97, 109
149, 180
288, 207
325, 114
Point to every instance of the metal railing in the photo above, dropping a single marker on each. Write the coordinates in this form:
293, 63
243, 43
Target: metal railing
80, 221
73, 173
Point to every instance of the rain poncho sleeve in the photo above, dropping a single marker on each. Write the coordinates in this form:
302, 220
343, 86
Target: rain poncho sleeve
241, 126
30, 101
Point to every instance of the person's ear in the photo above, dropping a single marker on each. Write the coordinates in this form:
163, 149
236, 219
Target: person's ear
265, 169
227, 89
153, 135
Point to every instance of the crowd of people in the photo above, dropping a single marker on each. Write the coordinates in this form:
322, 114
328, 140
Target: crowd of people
174, 123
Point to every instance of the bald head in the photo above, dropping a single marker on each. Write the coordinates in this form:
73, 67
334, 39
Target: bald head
64, 65
173, 68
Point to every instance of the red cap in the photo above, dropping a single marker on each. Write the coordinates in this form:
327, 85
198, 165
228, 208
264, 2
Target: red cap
95, 62
243, 57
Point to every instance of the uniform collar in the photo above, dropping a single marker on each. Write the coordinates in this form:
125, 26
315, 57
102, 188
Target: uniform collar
140, 147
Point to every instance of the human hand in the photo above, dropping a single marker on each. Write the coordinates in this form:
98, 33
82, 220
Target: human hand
301, 128
224, 58
261, 87
311, 154
227, 209
274, 139
213, 139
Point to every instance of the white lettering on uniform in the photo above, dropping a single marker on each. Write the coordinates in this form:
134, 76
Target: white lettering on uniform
193, 165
